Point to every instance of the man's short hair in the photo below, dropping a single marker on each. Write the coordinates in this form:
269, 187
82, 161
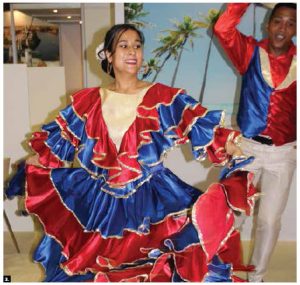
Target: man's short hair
285, 5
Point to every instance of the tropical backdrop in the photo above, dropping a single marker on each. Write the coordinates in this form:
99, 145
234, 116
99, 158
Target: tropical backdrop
181, 51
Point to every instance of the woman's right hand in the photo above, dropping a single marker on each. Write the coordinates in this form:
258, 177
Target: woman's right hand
33, 160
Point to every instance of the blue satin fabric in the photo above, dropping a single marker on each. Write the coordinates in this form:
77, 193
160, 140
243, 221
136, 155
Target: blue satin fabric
187, 236
99, 207
255, 99
163, 194
203, 132
59, 146
75, 124
218, 271
200, 135
170, 116
48, 253
235, 164
16, 185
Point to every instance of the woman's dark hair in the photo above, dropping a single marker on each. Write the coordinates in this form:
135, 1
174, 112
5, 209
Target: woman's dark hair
279, 5
110, 41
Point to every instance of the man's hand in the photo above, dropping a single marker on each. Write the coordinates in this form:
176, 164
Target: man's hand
232, 149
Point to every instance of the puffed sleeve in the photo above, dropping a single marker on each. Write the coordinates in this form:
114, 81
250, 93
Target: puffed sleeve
186, 119
58, 141
238, 47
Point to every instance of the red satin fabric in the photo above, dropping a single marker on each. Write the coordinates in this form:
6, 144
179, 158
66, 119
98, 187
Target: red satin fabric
240, 48
122, 165
220, 217
216, 150
238, 200
66, 133
232, 253
46, 157
84, 248
281, 125
89, 251
282, 119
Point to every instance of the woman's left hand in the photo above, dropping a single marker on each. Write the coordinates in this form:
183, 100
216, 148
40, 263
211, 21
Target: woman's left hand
232, 149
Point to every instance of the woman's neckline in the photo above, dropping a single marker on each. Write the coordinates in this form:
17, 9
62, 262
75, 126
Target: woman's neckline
143, 89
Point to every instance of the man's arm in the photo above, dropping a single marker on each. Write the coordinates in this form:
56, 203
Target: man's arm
238, 47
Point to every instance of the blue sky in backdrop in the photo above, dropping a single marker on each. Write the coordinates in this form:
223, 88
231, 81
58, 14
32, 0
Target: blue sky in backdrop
221, 86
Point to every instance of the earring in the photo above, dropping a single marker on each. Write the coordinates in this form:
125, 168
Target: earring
109, 67
144, 70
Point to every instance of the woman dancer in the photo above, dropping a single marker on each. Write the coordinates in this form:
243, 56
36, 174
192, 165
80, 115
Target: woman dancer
121, 215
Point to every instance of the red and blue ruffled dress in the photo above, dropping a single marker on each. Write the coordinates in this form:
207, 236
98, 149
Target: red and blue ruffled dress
121, 215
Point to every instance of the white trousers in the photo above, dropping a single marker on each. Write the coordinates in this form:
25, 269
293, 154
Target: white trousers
273, 168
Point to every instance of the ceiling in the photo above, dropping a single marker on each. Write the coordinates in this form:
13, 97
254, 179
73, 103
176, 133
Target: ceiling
66, 12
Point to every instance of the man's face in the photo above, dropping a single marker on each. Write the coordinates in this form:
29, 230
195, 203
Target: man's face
281, 29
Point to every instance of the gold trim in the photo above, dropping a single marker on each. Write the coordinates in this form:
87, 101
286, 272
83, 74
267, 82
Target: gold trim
195, 119
291, 76
267, 75
151, 118
163, 103
175, 264
107, 260
67, 126
62, 160
128, 167
265, 67
194, 222
131, 192
122, 184
93, 174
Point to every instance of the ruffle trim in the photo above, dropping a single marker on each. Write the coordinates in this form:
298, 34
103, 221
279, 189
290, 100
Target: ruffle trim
235, 193
166, 118
124, 167
55, 145
96, 254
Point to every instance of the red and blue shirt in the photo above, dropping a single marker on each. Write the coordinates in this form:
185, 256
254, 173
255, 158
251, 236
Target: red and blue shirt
268, 94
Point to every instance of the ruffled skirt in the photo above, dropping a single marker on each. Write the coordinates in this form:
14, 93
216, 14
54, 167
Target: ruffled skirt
164, 231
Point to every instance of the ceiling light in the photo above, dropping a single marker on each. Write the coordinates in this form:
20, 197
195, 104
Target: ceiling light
69, 17
80, 22
55, 11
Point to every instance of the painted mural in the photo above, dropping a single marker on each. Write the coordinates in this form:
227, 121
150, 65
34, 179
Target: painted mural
181, 51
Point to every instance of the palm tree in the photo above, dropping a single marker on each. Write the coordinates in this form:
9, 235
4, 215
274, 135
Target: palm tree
133, 14
148, 67
185, 32
209, 21
173, 43
167, 47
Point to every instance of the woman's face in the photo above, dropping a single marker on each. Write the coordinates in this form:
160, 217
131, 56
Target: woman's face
128, 55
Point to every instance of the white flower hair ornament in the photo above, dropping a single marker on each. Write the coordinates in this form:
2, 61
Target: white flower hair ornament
100, 54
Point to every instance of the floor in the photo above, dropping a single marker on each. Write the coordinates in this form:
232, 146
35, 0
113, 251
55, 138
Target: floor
21, 268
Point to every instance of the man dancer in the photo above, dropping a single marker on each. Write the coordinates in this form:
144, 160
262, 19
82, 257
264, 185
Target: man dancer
267, 114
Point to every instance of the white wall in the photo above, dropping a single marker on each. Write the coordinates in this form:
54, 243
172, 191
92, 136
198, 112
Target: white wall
21, 19
16, 112
47, 94
32, 96
97, 19
16, 126
71, 56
